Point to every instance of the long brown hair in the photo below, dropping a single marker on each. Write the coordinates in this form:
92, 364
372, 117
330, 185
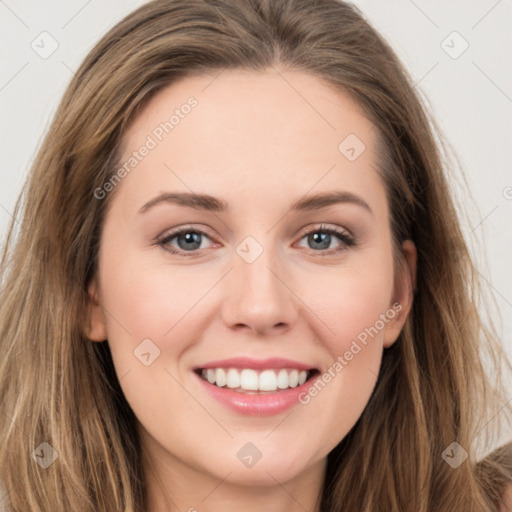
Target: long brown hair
58, 387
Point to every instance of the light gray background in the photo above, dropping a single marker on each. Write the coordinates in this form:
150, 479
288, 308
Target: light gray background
470, 96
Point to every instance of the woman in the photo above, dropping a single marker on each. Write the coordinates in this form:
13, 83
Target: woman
253, 369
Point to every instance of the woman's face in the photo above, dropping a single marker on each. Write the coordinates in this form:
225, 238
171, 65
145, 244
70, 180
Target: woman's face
284, 266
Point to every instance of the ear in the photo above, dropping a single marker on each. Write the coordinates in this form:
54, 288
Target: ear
96, 329
405, 284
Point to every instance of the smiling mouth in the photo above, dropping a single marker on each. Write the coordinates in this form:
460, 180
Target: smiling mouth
251, 381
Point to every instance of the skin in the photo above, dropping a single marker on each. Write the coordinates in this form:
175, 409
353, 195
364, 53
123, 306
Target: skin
506, 506
259, 144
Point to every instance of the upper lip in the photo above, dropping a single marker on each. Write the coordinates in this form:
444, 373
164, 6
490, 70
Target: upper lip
256, 364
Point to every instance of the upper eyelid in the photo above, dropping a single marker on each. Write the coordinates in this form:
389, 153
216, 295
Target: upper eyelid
325, 227
171, 234
321, 226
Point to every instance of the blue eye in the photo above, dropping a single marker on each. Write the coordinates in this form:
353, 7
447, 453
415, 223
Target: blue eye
321, 239
189, 241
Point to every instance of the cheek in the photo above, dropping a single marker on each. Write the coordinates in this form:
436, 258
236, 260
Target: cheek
350, 302
148, 301
154, 315
355, 306
358, 316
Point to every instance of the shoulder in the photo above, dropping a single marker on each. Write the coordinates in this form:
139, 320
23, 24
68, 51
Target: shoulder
495, 474
506, 503
3, 495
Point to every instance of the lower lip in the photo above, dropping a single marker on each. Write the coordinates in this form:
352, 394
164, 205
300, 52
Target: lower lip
266, 404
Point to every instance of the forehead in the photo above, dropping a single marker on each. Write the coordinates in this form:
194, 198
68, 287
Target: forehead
241, 129
275, 103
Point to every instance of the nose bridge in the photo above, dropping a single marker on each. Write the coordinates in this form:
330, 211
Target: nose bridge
258, 297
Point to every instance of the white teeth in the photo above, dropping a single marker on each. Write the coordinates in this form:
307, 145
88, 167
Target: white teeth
233, 378
282, 379
210, 375
268, 381
220, 377
293, 378
251, 380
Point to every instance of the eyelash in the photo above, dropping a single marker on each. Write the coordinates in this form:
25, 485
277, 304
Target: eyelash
346, 240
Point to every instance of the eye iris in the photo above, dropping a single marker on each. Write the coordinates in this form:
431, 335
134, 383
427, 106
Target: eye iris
323, 238
193, 240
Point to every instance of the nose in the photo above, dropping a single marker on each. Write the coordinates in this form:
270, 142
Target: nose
260, 298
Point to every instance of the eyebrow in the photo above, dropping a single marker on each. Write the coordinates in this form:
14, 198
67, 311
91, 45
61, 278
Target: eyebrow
213, 204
